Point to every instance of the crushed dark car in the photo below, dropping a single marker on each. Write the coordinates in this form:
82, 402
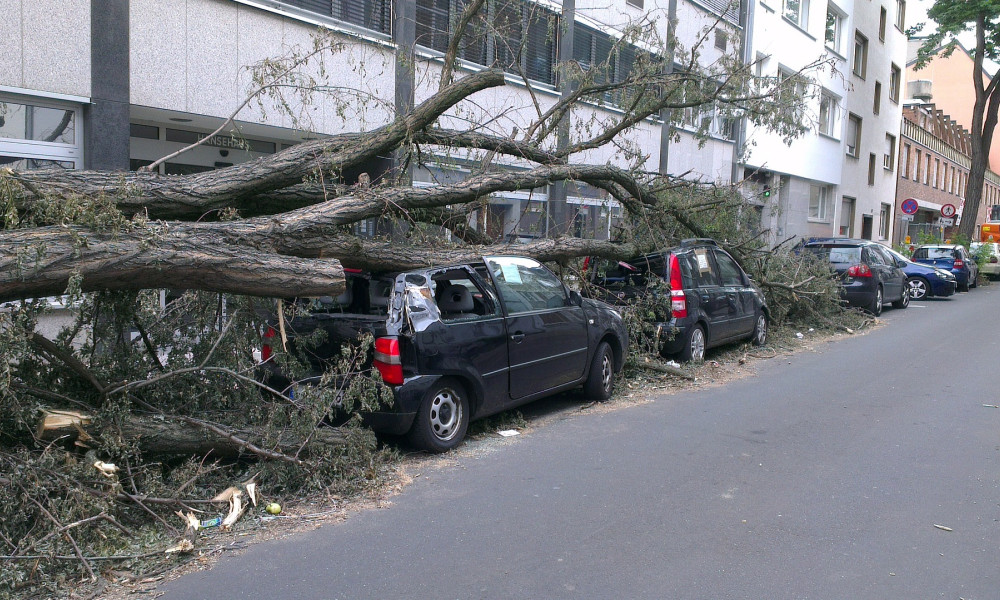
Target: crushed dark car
462, 342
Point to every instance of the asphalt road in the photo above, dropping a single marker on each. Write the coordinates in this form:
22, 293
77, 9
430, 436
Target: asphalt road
823, 477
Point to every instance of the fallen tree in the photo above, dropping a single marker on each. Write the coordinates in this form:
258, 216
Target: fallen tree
167, 379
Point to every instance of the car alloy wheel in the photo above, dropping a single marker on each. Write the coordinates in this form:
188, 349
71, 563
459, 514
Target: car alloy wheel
919, 288
695, 350
601, 379
904, 300
876, 308
760, 330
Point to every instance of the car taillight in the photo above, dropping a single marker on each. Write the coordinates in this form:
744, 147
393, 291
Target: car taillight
678, 301
861, 270
993, 259
387, 360
266, 352
959, 263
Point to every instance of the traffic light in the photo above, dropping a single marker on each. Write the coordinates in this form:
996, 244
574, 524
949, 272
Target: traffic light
767, 191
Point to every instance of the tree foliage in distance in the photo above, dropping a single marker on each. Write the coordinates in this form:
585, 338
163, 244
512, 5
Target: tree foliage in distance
982, 17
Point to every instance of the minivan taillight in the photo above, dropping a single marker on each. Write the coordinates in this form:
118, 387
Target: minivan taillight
861, 270
387, 360
266, 352
678, 301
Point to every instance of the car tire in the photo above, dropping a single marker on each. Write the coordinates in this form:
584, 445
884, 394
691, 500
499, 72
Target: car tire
904, 301
974, 281
920, 288
443, 417
759, 336
875, 308
601, 379
694, 345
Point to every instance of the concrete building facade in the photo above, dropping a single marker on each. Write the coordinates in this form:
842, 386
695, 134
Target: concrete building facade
839, 178
117, 84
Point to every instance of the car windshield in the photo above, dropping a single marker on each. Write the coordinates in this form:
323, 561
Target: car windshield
837, 254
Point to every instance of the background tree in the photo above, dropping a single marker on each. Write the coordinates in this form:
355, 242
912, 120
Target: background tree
954, 17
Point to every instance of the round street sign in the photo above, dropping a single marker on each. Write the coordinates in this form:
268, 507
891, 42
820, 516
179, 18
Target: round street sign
948, 211
909, 206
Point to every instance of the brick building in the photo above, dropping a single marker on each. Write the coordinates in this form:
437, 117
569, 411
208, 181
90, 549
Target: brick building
934, 160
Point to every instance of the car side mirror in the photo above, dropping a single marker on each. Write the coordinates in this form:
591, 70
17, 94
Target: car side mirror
900, 263
575, 298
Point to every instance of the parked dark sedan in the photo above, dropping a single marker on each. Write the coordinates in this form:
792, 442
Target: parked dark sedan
924, 280
712, 300
463, 342
870, 276
950, 257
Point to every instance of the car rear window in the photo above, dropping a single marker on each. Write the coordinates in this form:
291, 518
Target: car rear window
934, 253
838, 255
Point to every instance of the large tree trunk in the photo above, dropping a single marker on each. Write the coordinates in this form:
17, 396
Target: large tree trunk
263, 256
158, 436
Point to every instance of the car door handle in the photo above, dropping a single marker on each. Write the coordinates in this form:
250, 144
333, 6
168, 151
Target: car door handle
517, 337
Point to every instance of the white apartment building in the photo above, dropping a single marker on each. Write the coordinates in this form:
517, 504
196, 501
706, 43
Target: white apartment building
116, 84
838, 180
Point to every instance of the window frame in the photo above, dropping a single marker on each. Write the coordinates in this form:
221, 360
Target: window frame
889, 159
852, 118
895, 82
860, 52
831, 120
819, 206
839, 19
798, 16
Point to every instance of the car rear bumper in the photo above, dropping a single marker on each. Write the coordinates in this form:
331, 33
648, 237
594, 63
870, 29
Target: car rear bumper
859, 292
990, 269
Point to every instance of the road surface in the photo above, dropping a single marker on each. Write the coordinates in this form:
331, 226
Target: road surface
830, 475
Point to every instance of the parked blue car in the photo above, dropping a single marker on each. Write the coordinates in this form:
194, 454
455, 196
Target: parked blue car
924, 280
950, 257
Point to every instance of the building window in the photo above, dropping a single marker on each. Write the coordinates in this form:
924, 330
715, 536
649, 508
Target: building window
916, 165
853, 135
791, 92
720, 40
934, 173
889, 158
860, 65
895, 76
39, 134
883, 223
514, 35
927, 168
871, 169
797, 11
834, 28
904, 172
819, 200
370, 14
901, 14
882, 18
877, 98
829, 114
